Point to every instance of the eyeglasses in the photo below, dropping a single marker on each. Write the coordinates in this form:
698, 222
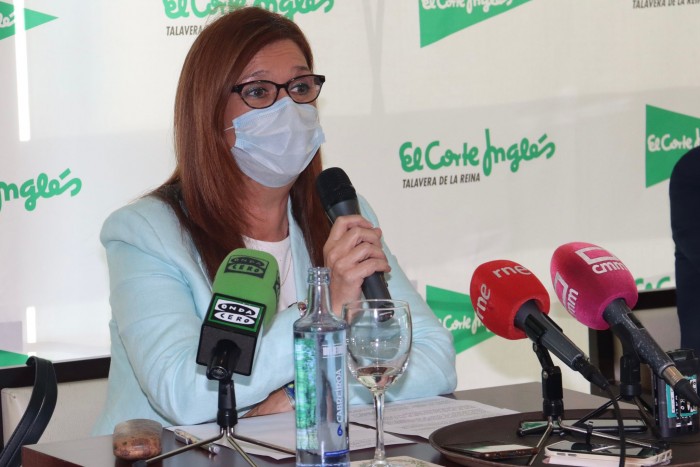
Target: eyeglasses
262, 94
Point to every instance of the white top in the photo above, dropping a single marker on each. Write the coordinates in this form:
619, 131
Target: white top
282, 251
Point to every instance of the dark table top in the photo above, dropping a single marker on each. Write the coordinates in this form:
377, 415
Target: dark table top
525, 397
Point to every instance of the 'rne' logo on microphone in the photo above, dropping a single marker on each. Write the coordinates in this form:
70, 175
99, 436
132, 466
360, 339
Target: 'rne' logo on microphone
247, 265
510, 270
485, 292
567, 295
235, 312
600, 260
482, 301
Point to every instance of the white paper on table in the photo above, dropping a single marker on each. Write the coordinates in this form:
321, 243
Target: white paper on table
280, 429
420, 417
404, 460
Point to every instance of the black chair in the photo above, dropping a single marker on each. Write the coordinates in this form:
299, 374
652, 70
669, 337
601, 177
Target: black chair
35, 419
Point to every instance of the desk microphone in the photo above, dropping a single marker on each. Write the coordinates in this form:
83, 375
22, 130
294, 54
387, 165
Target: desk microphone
244, 299
513, 303
598, 290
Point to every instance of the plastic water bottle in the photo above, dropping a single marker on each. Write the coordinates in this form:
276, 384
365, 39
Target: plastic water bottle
320, 382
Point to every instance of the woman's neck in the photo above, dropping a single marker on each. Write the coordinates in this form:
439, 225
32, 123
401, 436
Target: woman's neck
267, 213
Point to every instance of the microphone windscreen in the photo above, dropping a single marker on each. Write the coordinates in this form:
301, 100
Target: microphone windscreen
586, 278
244, 298
499, 289
333, 186
249, 278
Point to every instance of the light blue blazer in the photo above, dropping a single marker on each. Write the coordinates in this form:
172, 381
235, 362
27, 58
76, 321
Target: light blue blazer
159, 296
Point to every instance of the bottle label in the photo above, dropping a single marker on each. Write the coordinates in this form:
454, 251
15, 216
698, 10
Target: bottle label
337, 353
305, 392
320, 385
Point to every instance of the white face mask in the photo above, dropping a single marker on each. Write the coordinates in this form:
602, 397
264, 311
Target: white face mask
274, 145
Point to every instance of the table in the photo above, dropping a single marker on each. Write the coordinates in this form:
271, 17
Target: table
525, 397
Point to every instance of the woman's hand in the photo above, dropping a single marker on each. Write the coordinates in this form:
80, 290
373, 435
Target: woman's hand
276, 402
353, 252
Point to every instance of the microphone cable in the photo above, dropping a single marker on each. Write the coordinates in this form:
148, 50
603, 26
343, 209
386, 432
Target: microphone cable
620, 425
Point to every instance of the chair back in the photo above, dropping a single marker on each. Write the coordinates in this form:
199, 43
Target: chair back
38, 413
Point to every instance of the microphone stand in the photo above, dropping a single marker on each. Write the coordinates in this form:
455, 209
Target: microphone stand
553, 406
630, 389
552, 398
221, 367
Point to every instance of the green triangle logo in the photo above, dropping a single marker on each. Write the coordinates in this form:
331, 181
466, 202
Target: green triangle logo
669, 135
438, 19
456, 313
8, 358
31, 19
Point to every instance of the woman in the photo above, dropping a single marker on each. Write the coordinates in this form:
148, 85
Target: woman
247, 143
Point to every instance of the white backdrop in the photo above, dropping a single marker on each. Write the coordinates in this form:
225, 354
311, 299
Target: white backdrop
581, 91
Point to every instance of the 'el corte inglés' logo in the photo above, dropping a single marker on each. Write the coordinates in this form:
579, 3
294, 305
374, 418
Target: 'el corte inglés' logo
669, 136
435, 157
247, 265
8, 19
183, 9
440, 18
456, 313
230, 311
41, 187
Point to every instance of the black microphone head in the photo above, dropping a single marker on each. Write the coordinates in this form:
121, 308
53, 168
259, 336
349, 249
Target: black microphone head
334, 186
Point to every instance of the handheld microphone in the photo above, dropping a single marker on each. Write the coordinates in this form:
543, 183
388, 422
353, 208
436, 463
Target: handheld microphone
244, 299
513, 303
598, 290
339, 198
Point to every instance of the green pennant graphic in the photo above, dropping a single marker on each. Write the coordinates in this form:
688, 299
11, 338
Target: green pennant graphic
455, 312
440, 18
669, 135
8, 358
31, 19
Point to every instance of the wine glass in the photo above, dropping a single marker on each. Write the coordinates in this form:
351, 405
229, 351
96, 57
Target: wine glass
379, 342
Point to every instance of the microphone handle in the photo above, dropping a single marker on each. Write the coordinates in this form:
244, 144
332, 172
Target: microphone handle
373, 286
627, 326
540, 328
621, 321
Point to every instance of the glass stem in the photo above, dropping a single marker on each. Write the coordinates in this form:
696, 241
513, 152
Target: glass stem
379, 456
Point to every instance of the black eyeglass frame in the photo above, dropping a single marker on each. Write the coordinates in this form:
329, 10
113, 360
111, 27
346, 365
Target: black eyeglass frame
239, 87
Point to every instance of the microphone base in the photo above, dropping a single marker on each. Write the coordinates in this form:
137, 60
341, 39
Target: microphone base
175, 452
537, 427
557, 426
645, 413
199, 444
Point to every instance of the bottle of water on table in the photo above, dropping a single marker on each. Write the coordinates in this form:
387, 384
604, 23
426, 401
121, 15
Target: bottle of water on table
320, 382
